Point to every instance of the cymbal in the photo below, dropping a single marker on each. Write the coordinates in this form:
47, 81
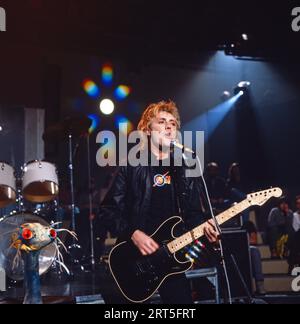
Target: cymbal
75, 126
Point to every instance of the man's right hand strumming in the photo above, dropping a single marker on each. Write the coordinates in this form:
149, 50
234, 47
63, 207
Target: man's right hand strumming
144, 243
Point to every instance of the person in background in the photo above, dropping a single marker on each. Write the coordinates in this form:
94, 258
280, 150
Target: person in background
255, 258
294, 241
234, 177
217, 188
236, 188
280, 228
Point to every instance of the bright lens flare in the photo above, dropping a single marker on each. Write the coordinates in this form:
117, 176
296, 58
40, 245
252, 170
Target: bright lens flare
107, 107
95, 122
122, 92
107, 74
91, 88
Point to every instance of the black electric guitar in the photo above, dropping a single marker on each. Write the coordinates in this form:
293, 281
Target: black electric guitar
138, 277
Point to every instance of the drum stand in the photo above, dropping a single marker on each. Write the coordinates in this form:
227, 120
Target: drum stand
75, 248
90, 206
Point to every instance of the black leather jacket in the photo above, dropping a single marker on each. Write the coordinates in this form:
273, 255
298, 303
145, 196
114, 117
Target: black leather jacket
129, 201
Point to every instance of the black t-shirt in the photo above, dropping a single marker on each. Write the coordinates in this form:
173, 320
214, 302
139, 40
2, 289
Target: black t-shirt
163, 205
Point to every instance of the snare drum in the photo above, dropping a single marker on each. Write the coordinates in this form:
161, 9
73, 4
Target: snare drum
40, 181
7, 185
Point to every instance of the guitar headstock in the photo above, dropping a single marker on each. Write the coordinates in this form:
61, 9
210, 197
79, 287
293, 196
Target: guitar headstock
261, 197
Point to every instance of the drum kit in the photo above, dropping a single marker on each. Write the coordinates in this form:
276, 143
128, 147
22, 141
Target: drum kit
38, 184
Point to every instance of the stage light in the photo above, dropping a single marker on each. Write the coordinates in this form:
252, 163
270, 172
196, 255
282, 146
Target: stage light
107, 74
91, 88
122, 92
242, 88
244, 84
225, 95
212, 119
107, 107
95, 122
245, 37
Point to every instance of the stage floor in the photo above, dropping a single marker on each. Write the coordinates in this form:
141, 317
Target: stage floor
63, 289
98, 288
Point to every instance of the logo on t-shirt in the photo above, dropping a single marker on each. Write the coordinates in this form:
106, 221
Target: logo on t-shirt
162, 180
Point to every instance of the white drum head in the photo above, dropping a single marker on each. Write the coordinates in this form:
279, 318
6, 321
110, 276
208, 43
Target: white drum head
7, 185
40, 182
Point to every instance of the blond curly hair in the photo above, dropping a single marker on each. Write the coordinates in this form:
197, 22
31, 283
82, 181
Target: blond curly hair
153, 109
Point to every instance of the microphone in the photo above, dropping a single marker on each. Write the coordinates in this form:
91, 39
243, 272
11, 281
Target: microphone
181, 147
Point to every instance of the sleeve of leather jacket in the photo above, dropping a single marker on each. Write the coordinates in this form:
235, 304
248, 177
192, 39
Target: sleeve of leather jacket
114, 208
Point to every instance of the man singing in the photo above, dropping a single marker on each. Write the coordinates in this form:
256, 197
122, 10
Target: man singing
143, 197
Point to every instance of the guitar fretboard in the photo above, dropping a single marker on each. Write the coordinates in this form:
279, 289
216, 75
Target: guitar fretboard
198, 232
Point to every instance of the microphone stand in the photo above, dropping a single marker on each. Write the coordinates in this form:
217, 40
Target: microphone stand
175, 179
176, 193
71, 174
75, 246
90, 205
224, 242
174, 175
183, 150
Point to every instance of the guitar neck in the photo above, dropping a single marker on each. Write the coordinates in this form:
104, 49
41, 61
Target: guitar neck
198, 232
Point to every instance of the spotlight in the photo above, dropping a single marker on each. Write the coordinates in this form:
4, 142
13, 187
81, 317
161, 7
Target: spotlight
95, 122
107, 107
122, 92
225, 95
245, 37
242, 87
244, 84
91, 88
107, 74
